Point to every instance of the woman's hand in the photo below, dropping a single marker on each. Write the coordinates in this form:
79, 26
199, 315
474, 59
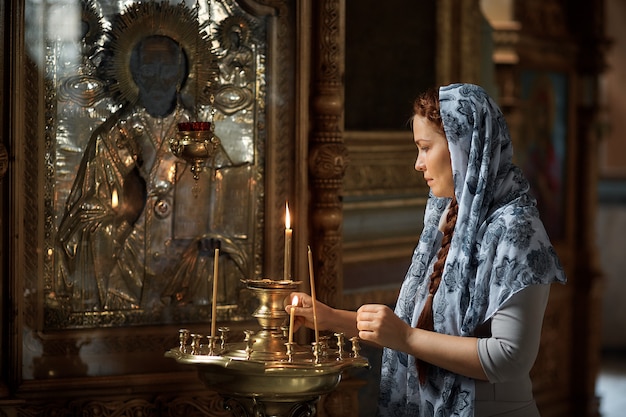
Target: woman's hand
328, 318
378, 324
304, 312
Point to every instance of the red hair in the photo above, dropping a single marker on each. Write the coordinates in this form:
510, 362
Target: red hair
427, 105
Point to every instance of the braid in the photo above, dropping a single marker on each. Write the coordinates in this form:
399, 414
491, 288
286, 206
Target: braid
426, 319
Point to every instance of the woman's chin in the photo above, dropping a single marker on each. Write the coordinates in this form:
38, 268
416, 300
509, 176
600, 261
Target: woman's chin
441, 194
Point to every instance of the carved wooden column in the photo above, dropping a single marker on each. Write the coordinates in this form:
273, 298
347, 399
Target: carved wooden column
458, 46
587, 19
328, 158
327, 153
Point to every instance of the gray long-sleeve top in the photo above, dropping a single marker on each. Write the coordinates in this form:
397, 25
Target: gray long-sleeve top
508, 353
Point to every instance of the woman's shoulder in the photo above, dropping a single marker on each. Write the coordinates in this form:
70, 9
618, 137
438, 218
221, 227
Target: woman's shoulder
519, 213
514, 226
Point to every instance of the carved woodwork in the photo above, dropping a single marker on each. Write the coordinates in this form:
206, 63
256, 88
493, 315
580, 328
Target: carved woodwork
459, 30
382, 189
547, 37
328, 156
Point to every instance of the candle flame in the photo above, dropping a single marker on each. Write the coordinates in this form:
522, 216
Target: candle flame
294, 301
114, 199
287, 217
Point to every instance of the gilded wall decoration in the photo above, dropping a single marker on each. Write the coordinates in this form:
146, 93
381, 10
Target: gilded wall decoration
130, 229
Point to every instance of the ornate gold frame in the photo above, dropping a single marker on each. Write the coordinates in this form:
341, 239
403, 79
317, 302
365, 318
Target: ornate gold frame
68, 354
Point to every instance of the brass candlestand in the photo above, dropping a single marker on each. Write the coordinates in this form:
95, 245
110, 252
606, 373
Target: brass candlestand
265, 375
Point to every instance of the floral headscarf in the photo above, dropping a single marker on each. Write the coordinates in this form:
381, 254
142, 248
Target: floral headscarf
499, 247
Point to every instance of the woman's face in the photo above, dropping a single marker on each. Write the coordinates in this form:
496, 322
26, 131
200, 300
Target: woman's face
433, 157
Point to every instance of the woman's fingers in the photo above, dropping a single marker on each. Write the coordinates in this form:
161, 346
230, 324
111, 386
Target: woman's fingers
302, 299
371, 314
302, 309
379, 324
368, 322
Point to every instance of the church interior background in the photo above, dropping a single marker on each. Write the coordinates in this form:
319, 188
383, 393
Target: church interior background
105, 250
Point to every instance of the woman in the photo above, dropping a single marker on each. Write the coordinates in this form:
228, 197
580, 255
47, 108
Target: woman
466, 327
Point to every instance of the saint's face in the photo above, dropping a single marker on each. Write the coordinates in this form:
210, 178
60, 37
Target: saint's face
433, 157
158, 69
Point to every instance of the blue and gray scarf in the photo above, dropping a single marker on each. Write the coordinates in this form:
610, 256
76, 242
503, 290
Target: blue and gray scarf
498, 248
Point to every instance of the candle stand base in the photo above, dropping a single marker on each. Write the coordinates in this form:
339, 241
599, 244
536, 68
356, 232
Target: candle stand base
252, 407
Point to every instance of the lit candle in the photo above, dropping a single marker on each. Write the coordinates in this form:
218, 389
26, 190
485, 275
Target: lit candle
288, 234
214, 306
114, 199
292, 315
313, 294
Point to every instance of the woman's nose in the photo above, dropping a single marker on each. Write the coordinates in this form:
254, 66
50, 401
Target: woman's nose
419, 165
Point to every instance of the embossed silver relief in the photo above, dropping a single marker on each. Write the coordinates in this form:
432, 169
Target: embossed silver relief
134, 230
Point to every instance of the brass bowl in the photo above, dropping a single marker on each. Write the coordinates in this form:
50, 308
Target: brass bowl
301, 379
194, 145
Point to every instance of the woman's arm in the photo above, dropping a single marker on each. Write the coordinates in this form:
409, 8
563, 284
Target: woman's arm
509, 352
515, 334
378, 324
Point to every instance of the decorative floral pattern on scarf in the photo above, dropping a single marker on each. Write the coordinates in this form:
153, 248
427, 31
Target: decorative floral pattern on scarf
498, 248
